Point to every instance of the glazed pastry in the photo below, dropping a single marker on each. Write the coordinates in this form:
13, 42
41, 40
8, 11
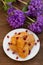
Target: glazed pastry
22, 43
13, 40
30, 41
23, 52
13, 47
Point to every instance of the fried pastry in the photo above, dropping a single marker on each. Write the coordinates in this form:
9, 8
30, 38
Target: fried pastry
30, 41
13, 47
13, 40
24, 52
22, 43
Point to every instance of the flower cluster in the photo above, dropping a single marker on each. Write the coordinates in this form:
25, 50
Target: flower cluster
16, 18
37, 26
35, 8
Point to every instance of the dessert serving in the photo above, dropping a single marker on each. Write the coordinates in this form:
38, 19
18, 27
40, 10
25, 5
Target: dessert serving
22, 43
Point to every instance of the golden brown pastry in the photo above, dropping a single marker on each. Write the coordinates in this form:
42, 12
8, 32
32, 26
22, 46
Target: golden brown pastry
30, 41
13, 47
13, 40
22, 43
23, 52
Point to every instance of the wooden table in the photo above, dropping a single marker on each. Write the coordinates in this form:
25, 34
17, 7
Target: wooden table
4, 59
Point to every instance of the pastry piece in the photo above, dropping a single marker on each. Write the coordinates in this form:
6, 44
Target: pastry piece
30, 45
30, 41
13, 47
13, 40
23, 52
20, 43
30, 38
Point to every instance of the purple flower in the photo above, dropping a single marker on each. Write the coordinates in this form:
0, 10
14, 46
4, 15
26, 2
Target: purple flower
35, 8
10, 11
16, 19
37, 26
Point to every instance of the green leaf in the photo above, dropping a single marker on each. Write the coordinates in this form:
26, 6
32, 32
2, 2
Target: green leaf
24, 8
10, 1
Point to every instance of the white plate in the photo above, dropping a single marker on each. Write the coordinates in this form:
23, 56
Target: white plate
34, 50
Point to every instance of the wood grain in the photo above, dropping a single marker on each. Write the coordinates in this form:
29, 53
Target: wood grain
4, 29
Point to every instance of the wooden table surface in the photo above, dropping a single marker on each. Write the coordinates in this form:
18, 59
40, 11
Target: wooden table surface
4, 59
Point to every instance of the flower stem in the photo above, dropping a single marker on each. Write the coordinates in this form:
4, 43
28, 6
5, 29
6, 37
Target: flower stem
22, 2
30, 19
3, 2
15, 7
28, 22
